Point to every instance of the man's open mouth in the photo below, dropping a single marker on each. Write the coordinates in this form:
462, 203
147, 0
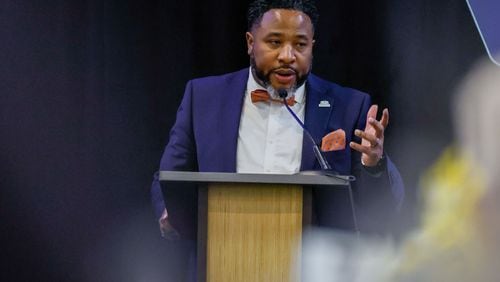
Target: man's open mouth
285, 76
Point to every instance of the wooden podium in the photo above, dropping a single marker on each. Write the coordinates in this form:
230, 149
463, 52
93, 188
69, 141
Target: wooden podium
250, 225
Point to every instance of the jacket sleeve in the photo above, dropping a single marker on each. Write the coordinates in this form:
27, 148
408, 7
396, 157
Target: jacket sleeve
179, 155
378, 197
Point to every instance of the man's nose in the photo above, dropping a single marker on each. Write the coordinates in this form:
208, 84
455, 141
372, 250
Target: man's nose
286, 54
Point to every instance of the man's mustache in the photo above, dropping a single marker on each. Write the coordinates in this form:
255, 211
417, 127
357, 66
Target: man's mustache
284, 70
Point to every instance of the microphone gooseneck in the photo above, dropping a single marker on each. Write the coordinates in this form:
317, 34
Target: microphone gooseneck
325, 166
282, 93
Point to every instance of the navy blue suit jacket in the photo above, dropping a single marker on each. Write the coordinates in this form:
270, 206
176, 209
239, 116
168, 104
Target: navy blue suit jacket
205, 135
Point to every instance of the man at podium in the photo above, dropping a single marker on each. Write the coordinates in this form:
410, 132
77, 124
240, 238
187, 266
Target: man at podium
249, 121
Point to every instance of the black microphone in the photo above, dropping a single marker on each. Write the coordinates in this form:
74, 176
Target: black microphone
282, 93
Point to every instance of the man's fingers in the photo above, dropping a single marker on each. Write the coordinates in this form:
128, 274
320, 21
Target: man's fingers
372, 113
380, 126
372, 139
385, 118
363, 149
377, 126
359, 147
168, 231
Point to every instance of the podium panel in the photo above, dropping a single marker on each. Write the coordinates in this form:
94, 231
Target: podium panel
250, 225
254, 233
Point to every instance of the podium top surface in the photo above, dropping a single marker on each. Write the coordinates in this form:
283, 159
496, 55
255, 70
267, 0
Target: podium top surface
303, 178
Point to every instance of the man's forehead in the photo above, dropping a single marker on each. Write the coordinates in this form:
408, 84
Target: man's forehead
285, 19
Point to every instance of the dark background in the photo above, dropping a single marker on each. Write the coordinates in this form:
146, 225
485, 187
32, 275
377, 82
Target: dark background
89, 90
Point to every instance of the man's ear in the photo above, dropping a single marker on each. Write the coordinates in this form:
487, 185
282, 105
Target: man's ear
250, 41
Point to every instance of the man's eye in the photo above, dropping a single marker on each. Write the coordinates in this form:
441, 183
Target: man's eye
301, 45
274, 42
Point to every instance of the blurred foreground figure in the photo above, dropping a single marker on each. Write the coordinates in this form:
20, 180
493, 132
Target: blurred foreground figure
459, 236
333, 256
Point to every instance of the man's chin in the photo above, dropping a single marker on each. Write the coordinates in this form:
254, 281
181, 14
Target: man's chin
273, 89
287, 86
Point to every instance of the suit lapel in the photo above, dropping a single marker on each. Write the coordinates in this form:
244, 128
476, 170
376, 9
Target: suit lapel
319, 107
229, 126
317, 119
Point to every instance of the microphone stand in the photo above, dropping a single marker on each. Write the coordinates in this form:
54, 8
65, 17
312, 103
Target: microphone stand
325, 166
317, 153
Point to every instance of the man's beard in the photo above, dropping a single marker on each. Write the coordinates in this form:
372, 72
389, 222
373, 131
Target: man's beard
265, 79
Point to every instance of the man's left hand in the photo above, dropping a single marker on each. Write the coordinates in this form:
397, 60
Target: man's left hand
372, 138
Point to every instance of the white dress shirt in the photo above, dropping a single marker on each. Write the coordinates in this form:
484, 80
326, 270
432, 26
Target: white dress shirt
269, 138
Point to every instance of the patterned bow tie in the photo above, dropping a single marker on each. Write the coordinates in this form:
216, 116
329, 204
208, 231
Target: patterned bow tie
260, 95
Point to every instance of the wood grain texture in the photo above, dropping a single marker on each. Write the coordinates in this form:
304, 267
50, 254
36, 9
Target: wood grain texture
254, 233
